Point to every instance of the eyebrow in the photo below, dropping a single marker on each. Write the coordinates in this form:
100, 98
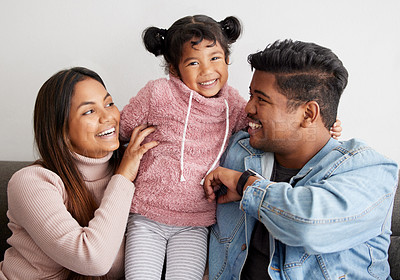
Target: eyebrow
213, 53
261, 92
91, 102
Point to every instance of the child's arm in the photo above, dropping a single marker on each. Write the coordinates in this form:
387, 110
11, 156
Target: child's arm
336, 129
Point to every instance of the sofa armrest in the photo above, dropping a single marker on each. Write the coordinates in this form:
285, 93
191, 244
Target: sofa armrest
7, 169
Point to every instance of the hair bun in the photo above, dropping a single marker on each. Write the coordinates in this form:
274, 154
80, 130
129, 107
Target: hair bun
232, 28
154, 40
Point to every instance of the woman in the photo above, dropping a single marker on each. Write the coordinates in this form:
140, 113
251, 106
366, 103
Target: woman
68, 211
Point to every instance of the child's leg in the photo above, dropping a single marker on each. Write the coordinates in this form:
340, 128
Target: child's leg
144, 249
187, 254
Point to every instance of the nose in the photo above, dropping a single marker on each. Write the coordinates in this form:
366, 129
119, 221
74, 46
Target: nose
250, 108
105, 116
206, 68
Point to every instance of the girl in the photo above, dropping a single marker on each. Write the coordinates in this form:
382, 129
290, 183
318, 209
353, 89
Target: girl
68, 210
195, 112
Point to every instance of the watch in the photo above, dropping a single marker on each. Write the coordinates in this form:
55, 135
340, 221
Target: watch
242, 181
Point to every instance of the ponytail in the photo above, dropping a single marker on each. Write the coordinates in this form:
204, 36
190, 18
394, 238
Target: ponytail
231, 28
154, 40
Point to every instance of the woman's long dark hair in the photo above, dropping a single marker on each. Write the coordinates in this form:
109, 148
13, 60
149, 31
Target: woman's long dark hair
51, 115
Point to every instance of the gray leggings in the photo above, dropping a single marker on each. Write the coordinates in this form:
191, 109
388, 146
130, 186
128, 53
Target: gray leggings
148, 242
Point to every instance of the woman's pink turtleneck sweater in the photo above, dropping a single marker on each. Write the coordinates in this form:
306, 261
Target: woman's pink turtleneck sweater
46, 239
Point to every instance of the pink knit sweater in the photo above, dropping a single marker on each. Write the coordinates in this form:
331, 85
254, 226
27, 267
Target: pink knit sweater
191, 130
46, 239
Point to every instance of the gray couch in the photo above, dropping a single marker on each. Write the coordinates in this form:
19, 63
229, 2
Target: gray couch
7, 168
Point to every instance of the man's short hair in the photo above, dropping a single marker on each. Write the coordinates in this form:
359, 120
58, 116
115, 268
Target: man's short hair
304, 72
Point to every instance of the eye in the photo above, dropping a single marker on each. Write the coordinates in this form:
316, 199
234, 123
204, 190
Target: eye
88, 112
216, 58
110, 104
193, 63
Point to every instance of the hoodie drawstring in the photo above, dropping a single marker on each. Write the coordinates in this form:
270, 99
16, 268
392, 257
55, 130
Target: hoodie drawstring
223, 143
184, 139
184, 134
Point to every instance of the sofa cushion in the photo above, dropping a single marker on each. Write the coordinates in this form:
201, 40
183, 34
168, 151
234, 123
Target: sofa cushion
7, 169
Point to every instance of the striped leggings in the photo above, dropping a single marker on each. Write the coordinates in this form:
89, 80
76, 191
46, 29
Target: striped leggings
149, 242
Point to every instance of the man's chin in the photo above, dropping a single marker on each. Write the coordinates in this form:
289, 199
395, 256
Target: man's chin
255, 143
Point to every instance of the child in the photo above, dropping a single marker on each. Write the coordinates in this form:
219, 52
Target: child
195, 112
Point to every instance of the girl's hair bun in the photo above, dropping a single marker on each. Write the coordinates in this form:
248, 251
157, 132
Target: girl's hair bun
154, 40
231, 28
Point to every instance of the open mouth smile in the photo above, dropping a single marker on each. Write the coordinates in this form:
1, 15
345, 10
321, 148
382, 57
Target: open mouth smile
208, 83
107, 132
254, 125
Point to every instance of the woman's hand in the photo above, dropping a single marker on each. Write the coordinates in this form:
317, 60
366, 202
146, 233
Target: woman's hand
130, 162
336, 129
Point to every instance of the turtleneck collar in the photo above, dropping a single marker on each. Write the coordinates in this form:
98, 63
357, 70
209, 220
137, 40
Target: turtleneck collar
212, 106
93, 169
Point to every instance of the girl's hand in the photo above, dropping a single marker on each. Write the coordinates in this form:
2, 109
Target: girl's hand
336, 129
130, 162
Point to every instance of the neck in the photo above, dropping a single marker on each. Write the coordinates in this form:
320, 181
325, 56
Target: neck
302, 152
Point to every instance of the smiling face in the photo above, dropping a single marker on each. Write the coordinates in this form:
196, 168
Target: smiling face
272, 127
203, 67
93, 122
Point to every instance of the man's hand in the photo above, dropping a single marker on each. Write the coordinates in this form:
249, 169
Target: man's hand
224, 176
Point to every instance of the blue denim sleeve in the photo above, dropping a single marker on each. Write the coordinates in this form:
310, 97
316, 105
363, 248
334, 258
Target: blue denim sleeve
333, 208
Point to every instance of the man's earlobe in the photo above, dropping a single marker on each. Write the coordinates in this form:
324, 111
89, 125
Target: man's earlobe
311, 114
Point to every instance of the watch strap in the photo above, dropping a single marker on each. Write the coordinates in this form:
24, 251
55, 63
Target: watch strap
242, 181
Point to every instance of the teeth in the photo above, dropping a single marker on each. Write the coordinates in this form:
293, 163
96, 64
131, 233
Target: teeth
208, 83
254, 125
108, 131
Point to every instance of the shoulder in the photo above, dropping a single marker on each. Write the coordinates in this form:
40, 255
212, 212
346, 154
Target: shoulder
233, 95
358, 158
155, 86
33, 178
358, 149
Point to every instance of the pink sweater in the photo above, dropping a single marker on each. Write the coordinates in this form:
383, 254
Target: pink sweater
191, 130
46, 239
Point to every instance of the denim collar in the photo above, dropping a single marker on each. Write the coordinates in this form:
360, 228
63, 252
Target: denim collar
245, 143
329, 146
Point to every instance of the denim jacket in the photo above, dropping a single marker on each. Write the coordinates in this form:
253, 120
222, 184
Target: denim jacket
331, 221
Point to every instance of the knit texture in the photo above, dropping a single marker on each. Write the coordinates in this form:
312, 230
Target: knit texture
46, 239
160, 195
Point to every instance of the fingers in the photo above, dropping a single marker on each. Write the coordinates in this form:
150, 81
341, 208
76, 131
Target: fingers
336, 129
208, 188
130, 162
139, 134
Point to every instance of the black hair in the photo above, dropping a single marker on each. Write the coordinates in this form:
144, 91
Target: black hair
304, 72
169, 43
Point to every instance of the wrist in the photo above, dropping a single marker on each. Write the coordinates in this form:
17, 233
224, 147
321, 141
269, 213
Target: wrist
241, 184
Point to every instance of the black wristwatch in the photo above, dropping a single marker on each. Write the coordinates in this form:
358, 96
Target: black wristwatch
242, 181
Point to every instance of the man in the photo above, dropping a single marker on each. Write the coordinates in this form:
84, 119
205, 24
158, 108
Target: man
324, 209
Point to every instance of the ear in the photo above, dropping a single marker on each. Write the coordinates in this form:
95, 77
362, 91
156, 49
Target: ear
173, 71
311, 114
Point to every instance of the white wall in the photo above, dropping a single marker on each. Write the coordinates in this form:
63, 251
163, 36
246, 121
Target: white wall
39, 38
